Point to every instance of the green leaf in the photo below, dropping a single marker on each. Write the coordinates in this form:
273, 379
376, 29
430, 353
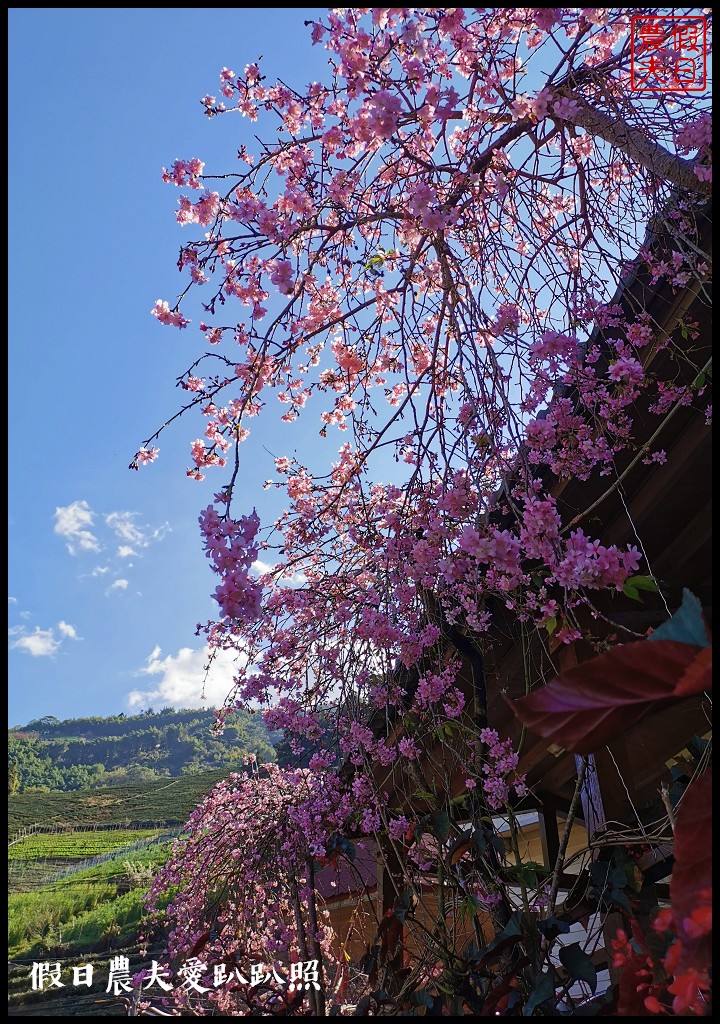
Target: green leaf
472, 952
528, 872
578, 964
634, 584
543, 989
643, 583
421, 997
468, 907
498, 843
422, 794
456, 1007
552, 926
699, 381
521, 874
686, 625
618, 879
599, 871
513, 927
479, 841
551, 624
511, 931
677, 790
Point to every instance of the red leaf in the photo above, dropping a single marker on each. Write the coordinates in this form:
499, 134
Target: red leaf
697, 676
497, 998
634, 987
390, 934
691, 881
200, 944
591, 704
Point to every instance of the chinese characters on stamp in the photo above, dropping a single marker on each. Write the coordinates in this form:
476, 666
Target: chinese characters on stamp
669, 53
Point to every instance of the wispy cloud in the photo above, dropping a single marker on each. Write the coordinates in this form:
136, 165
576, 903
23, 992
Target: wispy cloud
119, 585
12, 600
67, 630
87, 530
261, 567
183, 678
72, 522
124, 525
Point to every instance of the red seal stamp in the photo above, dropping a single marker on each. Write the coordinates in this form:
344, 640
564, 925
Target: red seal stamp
668, 53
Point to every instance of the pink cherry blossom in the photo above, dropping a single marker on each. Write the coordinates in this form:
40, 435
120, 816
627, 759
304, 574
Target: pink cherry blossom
428, 250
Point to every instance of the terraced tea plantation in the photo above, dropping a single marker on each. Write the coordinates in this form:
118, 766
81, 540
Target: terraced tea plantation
77, 884
76, 894
76, 845
50, 895
164, 800
40, 859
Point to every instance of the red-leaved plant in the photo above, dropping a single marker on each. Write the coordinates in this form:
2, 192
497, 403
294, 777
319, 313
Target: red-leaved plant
588, 707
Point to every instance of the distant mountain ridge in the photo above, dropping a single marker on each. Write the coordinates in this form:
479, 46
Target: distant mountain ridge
82, 753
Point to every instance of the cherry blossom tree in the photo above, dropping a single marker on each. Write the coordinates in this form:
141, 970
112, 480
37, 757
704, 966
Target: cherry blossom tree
418, 258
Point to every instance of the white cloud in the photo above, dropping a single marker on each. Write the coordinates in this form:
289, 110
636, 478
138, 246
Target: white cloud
77, 524
67, 630
126, 529
261, 567
72, 522
182, 678
119, 585
296, 579
100, 570
40, 644
12, 600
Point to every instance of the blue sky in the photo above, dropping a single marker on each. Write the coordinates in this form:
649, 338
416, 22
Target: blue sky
106, 575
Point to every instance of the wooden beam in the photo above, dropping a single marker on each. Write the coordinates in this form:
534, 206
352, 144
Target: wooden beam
697, 532
549, 834
616, 782
655, 484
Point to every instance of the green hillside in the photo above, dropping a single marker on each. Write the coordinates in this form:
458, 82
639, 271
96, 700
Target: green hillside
77, 897
84, 753
86, 913
157, 801
93, 806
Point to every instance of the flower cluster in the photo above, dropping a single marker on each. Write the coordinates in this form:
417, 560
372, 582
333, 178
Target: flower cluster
499, 769
253, 838
230, 546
